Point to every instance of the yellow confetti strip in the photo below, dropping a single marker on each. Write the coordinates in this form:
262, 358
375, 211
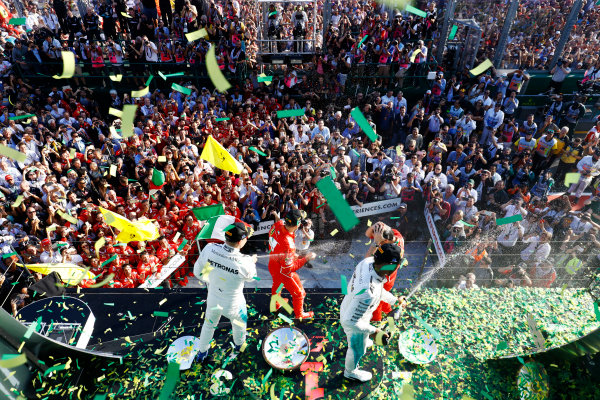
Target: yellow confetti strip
68, 58
334, 232
214, 72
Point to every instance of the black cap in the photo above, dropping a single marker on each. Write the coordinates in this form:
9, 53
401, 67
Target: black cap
236, 232
293, 217
387, 254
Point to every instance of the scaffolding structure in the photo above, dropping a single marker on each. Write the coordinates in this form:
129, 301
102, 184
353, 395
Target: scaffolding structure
279, 41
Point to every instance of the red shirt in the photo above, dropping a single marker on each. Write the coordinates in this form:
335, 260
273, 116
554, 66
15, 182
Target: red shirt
144, 270
282, 251
190, 232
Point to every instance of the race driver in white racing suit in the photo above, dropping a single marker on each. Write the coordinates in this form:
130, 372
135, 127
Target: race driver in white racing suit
227, 270
365, 291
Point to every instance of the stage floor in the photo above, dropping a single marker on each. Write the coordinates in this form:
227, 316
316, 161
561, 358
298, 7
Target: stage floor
470, 324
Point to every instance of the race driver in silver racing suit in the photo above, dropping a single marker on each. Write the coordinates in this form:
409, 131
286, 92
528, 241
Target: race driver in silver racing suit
226, 270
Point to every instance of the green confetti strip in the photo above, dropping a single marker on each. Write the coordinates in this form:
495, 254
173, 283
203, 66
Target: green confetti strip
181, 89
290, 113
160, 314
55, 368
286, 319
254, 149
509, 220
453, 32
344, 284
149, 80
415, 11
170, 382
32, 328
362, 122
338, 204
24, 116
109, 260
362, 40
222, 119
182, 245
17, 21
264, 79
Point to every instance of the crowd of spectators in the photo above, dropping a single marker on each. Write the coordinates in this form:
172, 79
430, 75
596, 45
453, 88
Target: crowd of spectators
536, 31
463, 150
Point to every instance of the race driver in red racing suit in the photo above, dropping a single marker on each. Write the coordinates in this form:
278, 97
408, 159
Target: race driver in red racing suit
283, 261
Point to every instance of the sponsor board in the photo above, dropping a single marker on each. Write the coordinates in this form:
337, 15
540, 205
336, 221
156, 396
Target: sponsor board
437, 243
155, 280
374, 208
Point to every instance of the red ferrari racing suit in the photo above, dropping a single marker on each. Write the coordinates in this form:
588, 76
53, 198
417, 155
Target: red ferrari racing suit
283, 264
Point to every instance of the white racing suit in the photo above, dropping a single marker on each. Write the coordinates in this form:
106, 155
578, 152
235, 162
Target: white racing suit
365, 291
229, 269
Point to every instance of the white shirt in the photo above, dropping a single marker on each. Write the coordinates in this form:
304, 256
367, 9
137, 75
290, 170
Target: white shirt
509, 234
588, 167
535, 251
365, 291
230, 269
303, 240
151, 52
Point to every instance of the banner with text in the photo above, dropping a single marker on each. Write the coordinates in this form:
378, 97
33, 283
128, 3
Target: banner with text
377, 207
437, 243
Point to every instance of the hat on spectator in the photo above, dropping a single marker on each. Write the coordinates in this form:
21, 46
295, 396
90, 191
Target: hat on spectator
387, 254
45, 242
471, 182
293, 217
8, 177
402, 205
311, 119
236, 232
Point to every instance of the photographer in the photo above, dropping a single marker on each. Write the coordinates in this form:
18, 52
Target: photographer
299, 21
514, 276
559, 73
304, 236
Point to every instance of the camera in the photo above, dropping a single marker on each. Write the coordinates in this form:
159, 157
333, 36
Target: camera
304, 223
389, 177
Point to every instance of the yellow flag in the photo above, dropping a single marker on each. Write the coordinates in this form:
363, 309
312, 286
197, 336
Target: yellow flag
69, 273
216, 154
130, 230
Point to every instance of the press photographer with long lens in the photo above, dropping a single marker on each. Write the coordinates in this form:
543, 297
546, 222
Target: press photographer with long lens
299, 21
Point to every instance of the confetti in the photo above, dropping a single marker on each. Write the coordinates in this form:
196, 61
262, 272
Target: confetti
415, 11
571, 177
509, 220
170, 382
181, 89
214, 72
68, 58
12, 153
337, 203
116, 78
12, 360
481, 68
254, 149
192, 36
344, 284
362, 122
135, 94
129, 111
334, 232
453, 32
290, 113
264, 78
17, 21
